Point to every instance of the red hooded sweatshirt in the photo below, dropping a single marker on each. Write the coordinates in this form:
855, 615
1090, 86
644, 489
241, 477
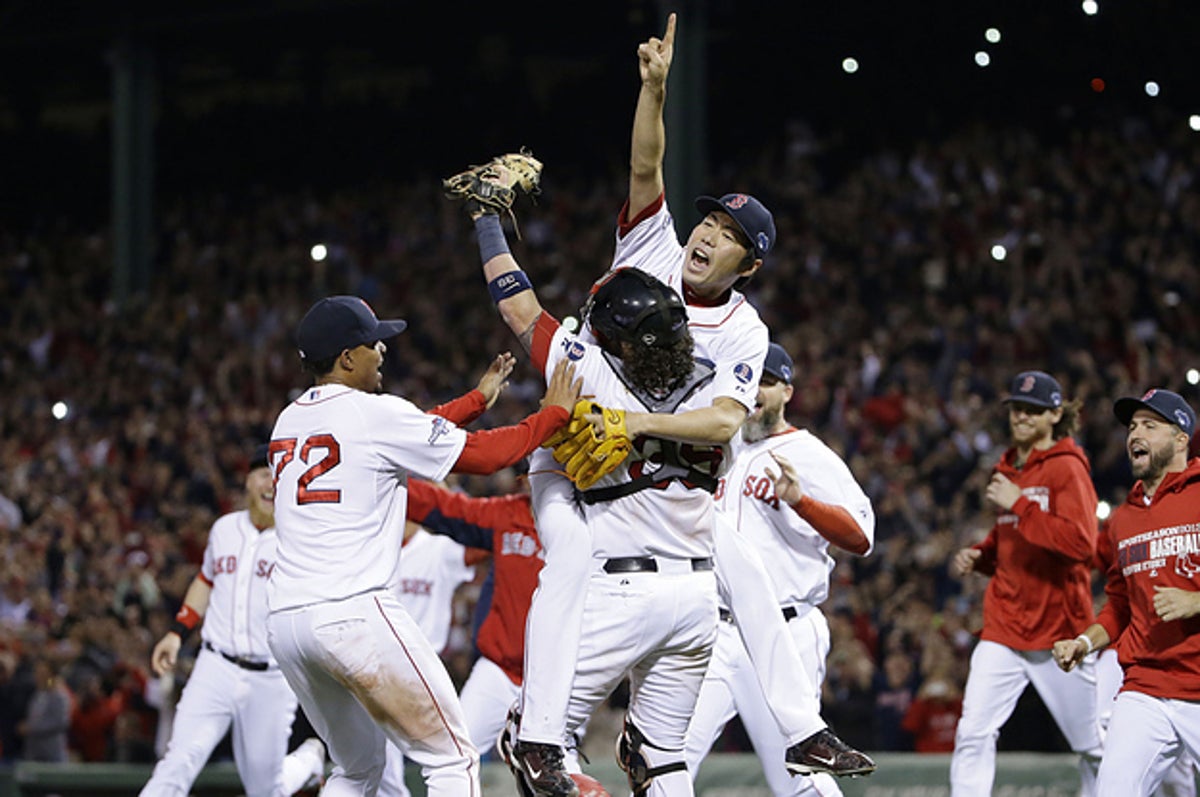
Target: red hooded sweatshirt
1039, 553
1157, 545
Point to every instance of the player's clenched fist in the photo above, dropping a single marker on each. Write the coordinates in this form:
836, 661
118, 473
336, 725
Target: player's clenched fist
1172, 603
1002, 492
1069, 652
965, 559
162, 659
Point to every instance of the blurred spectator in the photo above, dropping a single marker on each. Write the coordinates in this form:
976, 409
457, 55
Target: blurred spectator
48, 718
933, 715
894, 686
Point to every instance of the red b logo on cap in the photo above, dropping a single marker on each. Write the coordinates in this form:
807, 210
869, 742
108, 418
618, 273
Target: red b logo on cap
736, 201
1027, 384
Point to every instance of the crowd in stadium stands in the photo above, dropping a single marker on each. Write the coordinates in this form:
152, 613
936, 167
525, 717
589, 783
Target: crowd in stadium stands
885, 287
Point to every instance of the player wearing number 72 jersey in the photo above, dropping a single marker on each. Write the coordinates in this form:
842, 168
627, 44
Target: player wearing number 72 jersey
341, 454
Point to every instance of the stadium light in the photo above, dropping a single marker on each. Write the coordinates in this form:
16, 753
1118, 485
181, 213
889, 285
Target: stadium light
1103, 510
60, 410
1194, 121
1091, 7
992, 35
999, 252
1151, 88
849, 65
1193, 376
319, 252
982, 58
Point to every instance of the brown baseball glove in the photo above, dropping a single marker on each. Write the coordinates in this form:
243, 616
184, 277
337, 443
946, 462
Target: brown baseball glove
493, 187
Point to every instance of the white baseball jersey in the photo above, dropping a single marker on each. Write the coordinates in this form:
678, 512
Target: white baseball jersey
730, 336
431, 568
796, 556
237, 565
340, 489
633, 525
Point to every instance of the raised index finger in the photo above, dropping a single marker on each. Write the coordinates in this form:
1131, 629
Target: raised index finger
669, 36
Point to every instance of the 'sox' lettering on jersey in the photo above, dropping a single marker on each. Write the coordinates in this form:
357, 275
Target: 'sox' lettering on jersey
743, 373
264, 568
224, 564
515, 543
440, 427
416, 586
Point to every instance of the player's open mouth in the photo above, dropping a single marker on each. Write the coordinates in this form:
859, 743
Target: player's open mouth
1138, 451
267, 496
699, 260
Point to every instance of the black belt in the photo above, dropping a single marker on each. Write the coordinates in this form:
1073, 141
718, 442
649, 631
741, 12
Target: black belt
646, 564
789, 613
245, 664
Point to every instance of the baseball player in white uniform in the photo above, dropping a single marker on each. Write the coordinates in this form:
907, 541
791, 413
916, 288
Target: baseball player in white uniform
341, 454
235, 680
792, 523
649, 609
432, 568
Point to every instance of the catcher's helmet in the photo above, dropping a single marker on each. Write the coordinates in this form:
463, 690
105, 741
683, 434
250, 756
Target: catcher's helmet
630, 306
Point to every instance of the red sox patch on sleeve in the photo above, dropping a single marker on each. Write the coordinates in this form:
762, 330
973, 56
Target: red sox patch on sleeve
441, 426
743, 373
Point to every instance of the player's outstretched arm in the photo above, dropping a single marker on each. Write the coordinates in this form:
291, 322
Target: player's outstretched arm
649, 140
490, 450
507, 284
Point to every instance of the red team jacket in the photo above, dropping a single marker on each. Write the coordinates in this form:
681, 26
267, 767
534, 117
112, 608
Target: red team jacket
1157, 545
1039, 554
504, 526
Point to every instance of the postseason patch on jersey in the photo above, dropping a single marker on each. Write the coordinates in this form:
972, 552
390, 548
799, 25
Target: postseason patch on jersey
575, 350
743, 373
440, 427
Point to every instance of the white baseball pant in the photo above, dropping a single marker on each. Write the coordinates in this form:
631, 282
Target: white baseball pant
731, 687
779, 662
365, 674
660, 629
486, 698
259, 705
555, 620
997, 677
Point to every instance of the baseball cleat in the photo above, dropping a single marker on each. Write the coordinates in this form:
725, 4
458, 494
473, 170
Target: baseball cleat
825, 752
541, 765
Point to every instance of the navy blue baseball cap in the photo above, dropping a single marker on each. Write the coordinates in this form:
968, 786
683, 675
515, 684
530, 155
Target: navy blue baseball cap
260, 456
1037, 388
1170, 406
751, 215
778, 364
337, 323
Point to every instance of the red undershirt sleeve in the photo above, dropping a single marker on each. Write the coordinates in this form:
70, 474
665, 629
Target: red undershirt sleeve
833, 523
462, 410
490, 450
543, 333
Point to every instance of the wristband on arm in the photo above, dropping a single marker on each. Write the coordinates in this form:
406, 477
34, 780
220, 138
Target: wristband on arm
1087, 641
185, 620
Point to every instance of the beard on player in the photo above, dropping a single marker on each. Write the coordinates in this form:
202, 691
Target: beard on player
658, 370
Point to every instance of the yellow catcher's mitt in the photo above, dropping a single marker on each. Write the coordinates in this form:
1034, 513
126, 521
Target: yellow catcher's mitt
585, 456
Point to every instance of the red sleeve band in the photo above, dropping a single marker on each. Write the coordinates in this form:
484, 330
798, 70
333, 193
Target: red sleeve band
833, 523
